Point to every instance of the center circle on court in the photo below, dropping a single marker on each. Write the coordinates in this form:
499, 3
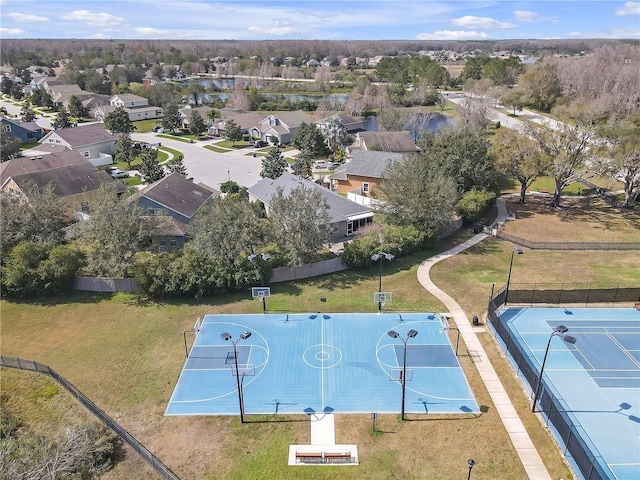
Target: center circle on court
322, 356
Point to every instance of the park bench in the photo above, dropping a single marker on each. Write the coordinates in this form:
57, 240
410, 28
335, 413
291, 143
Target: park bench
323, 457
309, 457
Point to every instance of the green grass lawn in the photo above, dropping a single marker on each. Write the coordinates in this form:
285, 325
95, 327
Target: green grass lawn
215, 148
126, 354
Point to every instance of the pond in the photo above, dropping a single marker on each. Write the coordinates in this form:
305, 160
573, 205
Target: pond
437, 122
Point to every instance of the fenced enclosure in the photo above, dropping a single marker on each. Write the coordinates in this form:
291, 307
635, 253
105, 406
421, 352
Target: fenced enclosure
146, 455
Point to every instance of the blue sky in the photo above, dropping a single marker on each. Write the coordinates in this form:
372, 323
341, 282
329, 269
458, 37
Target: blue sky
319, 19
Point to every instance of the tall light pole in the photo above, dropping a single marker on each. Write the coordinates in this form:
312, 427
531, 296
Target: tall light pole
559, 331
410, 334
226, 336
471, 462
377, 257
516, 251
265, 258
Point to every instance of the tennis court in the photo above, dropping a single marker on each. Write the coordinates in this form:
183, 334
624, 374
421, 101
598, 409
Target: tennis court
590, 390
332, 363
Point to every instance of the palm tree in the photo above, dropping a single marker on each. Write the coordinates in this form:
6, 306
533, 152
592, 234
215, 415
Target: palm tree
334, 133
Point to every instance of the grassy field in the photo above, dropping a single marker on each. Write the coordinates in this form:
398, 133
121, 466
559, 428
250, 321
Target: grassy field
126, 355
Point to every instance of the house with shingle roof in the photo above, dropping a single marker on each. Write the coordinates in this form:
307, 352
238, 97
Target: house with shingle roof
385, 141
75, 180
174, 200
92, 141
26, 132
245, 120
282, 125
359, 177
137, 107
346, 216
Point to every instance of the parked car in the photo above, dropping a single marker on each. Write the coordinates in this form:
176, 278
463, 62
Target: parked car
333, 166
320, 165
158, 129
260, 143
117, 173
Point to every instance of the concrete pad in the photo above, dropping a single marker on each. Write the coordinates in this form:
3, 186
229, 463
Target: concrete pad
323, 429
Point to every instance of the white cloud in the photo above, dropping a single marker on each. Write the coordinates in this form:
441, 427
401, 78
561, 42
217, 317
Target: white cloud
22, 18
99, 36
524, 15
154, 32
11, 31
629, 9
452, 35
94, 19
277, 31
483, 23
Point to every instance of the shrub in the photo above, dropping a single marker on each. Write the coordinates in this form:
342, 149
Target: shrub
390, 239
475, 203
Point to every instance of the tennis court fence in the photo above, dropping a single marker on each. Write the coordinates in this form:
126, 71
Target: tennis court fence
568, 294
126, 437
591, 464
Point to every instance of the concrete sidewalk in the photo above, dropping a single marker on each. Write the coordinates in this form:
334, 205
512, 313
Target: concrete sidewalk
519, 437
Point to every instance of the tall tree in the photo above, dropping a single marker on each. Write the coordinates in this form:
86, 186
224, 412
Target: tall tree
462, 153
232, 132
76, 109
26, 113
114, 233
273, 164
300, 224
125, 151
416, 191
62, 120
620, 156
567, 149
196, 124
176, 165
118, 121
542, 86
39, 216
335, 133
171, 120
9, 146
517, 156
225, 229
150, 169
309, 140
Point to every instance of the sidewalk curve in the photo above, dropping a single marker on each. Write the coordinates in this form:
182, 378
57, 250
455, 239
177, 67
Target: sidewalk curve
527, 452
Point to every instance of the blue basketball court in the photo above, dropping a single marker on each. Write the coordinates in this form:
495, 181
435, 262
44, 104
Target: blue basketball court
332, 363
596, 381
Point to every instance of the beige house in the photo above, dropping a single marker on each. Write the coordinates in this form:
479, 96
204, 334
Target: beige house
92, 141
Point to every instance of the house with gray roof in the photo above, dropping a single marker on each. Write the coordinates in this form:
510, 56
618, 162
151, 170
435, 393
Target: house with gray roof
137, 107
174, 200
346, 216
359, 177
26, 132
92, 141
400, 141
245, 120
75, 180
282, 125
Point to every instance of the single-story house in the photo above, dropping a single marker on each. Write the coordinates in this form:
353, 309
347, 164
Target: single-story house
92, 141
74, 177
385, 141
359, 177
175, 201
352, 124
245, 120
185, 114
282, 125
26, 132
346, 217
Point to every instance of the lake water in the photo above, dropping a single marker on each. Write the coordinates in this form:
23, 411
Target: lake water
437, 122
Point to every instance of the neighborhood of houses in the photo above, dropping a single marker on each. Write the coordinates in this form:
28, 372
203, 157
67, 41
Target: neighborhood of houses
74, 160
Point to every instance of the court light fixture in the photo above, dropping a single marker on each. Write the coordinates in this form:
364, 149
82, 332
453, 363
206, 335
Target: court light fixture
378, 257
471, 462
226, 336
558, 331
516, 251
410, 334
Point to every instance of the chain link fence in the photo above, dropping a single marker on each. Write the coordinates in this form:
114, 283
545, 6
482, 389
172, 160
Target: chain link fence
569, 431
126, 437
523, 242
